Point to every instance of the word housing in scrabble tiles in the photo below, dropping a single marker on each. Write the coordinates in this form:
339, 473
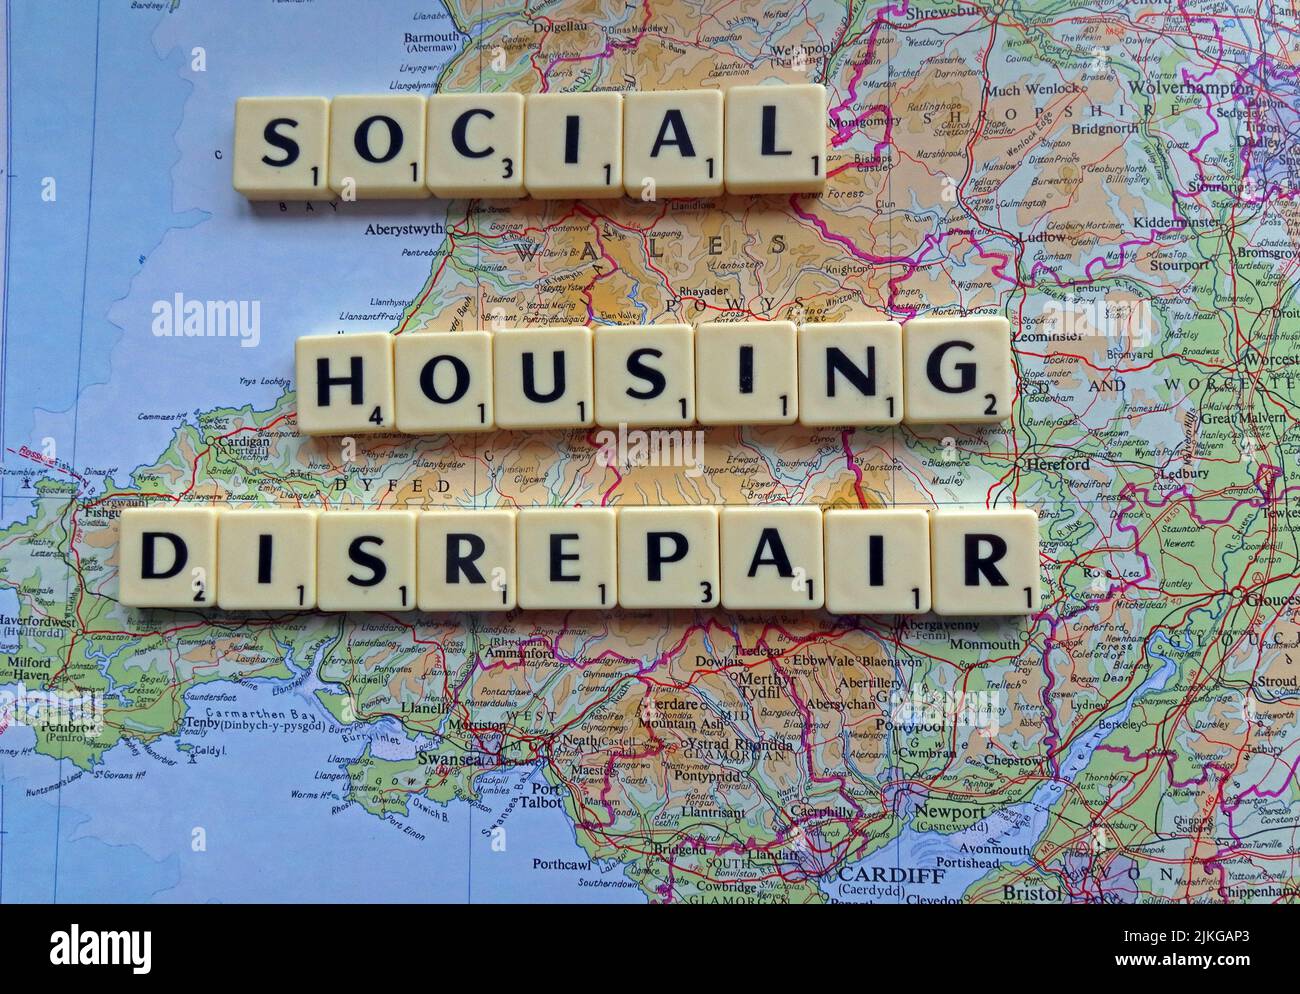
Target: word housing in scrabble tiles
903, 561
929, 371
687, 143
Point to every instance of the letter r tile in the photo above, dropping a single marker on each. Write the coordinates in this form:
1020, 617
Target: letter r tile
984, 562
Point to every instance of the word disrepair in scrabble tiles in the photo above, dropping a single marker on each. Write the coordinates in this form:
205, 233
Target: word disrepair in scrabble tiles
929, 371
690, 143
903, 561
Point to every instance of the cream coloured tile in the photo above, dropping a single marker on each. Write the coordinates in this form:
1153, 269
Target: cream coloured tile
673, 139
668, 557
877, 561
344, 383
282, 148
377, 142
475, 145
467, 560
645, 375
365, 561
984, 562
573, 145
851, 373
543, 377
746, 373
776, 138
567, 558
267, 559
167, 557
771, 558
957, 370
443, 381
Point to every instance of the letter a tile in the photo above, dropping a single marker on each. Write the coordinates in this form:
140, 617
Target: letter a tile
771, 558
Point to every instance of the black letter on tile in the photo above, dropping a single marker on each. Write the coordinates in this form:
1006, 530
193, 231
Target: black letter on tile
458, 137
378, 570
863, 379
654, 552
769, 132
431, 368
771, 539
272, 137
557, 374
559, 557
458, 562
361, 140
966, 370
638, 368
149, 562
324, 381
977, 564
680, 136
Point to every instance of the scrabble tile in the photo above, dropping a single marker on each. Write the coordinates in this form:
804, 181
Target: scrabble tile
984, 562
365, 561
282, 147
957, 370
747, 373
443, 381
475, 145
645, 375
467, 560
771, 558
567, 558
668, 557
167, 557
673, 137
542, 377
267, 558
345, 383
877, 561
776, 138
851, 373
573, 145
378, 141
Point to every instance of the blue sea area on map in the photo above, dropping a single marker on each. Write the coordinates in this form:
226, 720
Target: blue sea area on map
126, 831
151, 214
71, 257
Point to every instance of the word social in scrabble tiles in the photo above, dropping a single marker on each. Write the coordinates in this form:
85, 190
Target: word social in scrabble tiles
688, 143
928, 371
899, 561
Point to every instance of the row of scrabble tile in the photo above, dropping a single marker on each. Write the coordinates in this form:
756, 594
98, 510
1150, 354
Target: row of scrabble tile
904, 561
929, 371
676, 143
